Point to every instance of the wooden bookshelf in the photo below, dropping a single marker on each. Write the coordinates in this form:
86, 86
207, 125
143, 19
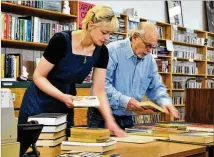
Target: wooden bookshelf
179, 105
210, 62
210, 48
187, 44
23, 44
73, 17
26, 10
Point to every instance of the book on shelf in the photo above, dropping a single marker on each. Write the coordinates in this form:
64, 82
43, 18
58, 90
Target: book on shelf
193, 137
49, 118
86, 101
50, 143
51, 136
151, 105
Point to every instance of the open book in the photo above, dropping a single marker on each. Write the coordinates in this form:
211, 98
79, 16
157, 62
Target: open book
86, 101
151, 104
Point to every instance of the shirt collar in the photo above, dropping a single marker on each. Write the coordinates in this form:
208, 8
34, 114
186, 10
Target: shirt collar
130, 52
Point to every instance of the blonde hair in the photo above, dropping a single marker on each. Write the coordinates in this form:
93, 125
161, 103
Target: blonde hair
144, 27
98, 14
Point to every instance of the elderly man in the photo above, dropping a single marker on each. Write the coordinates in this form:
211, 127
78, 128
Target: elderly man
131, 73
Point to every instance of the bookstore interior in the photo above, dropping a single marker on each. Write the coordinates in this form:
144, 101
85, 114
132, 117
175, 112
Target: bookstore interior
133, 78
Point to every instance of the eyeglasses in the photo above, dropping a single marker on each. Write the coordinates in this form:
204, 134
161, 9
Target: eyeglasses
147, 45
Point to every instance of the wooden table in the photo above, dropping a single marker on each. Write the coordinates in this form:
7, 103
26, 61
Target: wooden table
154, 149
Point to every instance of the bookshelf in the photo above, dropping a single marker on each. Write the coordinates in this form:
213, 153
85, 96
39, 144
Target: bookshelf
199, 54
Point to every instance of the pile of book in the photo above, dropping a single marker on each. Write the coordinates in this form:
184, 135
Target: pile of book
53, 132
89, 140
178, 132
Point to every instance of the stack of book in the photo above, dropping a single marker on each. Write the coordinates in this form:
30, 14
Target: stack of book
89, 139
197, 133
53, 132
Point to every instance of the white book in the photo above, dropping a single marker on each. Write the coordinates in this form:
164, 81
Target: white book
108, 143
52, 128
86, 101
49, 118
50, 143
135, 139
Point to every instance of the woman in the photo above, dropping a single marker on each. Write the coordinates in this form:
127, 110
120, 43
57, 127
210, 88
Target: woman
67, 60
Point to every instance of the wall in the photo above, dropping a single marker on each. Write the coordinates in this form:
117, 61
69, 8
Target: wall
193, 11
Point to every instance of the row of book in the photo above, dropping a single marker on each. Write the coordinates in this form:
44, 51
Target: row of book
178, 98
177, 131
210, 41
115, 37
41, 4
210, 55
210, 84
121, 25
181, 51
210, 69
163, 65
160, 51
31, 29
143, 119
184, 67
181, 110
11, 65
188, 37
179, 83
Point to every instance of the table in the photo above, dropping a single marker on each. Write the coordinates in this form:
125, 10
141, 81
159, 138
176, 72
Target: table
154, 149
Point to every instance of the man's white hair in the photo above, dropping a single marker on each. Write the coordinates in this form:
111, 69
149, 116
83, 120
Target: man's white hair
143, 27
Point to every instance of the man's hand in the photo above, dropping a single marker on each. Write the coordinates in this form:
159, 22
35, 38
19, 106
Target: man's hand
134, 105
170, 109
114, 128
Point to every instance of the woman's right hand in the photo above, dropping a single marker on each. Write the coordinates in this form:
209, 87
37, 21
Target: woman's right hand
68, 100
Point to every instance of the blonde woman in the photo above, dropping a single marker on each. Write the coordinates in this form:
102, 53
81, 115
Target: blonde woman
68, 59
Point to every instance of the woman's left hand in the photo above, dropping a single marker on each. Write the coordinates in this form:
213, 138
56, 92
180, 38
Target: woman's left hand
115, 129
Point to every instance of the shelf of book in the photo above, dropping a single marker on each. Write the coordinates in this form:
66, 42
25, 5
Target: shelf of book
187, 59
23, 44
164, 73
187, 44
174, 89
210, 48
211, 62
26, 10
210, 76
179, 105
165, 33
181, 74
120, 33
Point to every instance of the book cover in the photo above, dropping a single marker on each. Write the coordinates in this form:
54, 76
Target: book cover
52, 128
86, 101
107, 143
51, 136
89, 149
49, 118
151, 104
50, 143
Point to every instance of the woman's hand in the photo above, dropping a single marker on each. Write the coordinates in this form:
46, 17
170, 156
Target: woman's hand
68, 100
114, 128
